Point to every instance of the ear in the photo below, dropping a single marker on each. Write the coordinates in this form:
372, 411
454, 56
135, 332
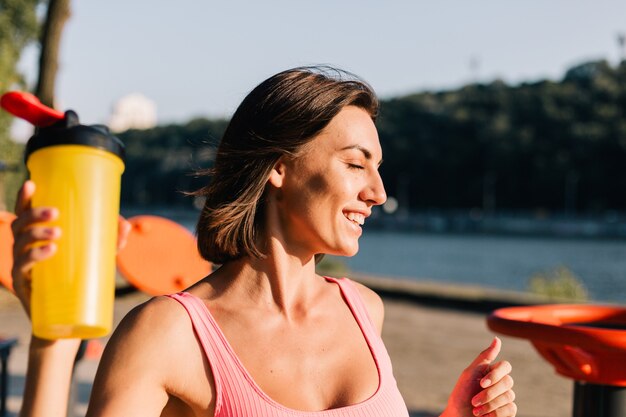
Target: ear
277, 174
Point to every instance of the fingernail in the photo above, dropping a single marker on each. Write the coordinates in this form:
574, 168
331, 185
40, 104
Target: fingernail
476, 402
485, 383
476, 411
48, 213
49, 247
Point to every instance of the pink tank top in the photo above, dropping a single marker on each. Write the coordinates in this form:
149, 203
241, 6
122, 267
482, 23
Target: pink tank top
237, 395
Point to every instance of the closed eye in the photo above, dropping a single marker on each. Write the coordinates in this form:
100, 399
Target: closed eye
355, 166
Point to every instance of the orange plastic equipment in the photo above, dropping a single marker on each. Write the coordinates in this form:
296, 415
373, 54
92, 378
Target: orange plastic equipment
6, 249
583, 342
160, 256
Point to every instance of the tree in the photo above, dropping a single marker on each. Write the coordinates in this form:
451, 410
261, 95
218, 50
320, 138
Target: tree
18, 28
57, 15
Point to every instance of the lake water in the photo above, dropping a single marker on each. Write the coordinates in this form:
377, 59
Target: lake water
502, 262
494, 261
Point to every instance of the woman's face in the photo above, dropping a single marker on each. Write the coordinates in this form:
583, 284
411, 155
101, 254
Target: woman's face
326, 193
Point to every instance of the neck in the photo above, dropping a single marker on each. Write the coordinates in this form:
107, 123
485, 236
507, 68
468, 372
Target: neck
281, 282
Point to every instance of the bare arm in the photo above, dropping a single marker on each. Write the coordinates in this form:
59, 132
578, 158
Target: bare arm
130, 378
49, 377
50, 362
152, 358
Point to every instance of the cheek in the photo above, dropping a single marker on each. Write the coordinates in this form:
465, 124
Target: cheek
324, 189
304, 194
317, 184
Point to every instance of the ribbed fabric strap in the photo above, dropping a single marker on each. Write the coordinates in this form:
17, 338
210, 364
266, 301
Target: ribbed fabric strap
237, 395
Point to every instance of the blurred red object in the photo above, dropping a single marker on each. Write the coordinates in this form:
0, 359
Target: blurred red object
6, 249
160, 256
583, 342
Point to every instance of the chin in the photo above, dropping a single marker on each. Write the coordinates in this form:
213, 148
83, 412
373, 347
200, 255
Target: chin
347, 252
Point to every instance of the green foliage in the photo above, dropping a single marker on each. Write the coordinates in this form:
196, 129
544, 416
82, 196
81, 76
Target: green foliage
559, 284
543, 145
11, 179
553, 146
18, 27
160, 162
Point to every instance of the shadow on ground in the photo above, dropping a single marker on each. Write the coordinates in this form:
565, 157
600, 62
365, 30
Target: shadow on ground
422, 413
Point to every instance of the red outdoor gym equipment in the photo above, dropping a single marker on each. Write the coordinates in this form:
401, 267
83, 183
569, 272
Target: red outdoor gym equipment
586, 343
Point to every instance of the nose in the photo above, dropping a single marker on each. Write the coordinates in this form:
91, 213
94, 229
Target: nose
374, 193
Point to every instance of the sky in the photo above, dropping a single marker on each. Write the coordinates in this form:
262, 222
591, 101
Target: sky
201, 57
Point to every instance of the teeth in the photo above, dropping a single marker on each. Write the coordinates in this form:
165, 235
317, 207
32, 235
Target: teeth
356, 217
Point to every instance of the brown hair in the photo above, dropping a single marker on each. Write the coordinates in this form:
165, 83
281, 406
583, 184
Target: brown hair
277, 118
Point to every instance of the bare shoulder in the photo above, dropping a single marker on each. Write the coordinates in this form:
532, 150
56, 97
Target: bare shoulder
374, 305
146, 336
147, 326
143, 339
147, 342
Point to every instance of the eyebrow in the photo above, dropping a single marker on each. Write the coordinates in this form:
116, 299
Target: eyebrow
366, 153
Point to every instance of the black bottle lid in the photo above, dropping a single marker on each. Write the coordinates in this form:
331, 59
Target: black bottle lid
69, 131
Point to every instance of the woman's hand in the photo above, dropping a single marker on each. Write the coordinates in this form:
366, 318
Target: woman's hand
34, 240
50, 362
484, 388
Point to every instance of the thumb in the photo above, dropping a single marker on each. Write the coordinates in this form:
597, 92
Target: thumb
24, 197
488, 355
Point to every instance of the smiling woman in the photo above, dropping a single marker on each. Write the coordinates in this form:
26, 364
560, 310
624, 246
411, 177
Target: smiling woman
277, 121
329, 189
295, 176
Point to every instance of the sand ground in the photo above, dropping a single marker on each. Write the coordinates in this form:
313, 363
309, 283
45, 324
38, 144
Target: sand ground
429, 347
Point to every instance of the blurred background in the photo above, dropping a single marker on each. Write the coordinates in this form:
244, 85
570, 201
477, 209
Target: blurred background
502, 123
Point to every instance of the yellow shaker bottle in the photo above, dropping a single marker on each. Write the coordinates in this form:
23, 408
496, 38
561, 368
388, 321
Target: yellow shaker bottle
77, 169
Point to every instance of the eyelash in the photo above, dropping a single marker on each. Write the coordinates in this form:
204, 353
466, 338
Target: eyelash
355, 166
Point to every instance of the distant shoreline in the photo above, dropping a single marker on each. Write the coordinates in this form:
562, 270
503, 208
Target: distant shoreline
471, 298
457, 223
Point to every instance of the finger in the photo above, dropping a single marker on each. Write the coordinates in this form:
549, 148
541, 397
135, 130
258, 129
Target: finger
24, 197
24, 263
30, 216
33, 235
496, 373
507, 410
488, 355
496, 390
499, 402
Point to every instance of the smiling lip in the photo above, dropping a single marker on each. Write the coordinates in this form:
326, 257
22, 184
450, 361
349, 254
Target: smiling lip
356, 217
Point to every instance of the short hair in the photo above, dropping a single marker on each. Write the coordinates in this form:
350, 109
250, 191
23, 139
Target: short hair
277, 118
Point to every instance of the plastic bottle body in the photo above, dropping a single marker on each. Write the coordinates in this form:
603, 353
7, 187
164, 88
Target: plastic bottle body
73, 291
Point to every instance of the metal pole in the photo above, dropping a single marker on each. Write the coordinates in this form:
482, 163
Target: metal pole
4, 390
5, 350
591, 400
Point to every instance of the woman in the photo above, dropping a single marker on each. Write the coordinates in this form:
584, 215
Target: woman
296, 176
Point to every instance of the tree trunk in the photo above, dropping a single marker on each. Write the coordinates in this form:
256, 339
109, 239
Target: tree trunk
57, 15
